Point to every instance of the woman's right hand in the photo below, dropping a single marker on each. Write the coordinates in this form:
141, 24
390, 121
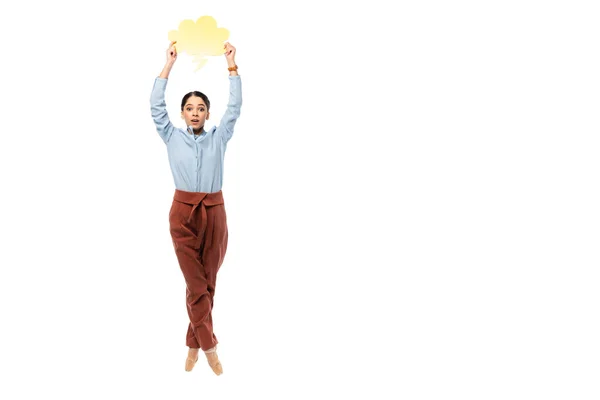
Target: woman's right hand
171, 53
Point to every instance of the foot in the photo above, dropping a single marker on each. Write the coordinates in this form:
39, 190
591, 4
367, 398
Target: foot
213, 361
191, 359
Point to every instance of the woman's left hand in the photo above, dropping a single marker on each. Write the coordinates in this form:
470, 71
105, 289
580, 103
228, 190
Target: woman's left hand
229, 53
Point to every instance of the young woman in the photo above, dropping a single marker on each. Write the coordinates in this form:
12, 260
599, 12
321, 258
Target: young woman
197, 219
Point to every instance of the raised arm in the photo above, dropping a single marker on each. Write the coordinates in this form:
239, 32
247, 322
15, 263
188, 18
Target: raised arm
232, 113
158, 107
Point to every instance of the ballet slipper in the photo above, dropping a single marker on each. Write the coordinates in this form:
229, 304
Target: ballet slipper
190, 361
213, 360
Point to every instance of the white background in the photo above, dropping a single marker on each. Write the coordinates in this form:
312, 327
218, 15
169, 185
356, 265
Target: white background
412, 197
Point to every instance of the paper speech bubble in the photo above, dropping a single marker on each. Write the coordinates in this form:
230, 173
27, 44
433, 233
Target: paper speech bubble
200, 39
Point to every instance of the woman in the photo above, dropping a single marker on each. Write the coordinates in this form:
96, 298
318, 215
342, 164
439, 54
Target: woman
197, 219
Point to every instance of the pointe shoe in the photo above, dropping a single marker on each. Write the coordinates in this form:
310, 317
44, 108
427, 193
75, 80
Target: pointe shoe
190, 362
213, 362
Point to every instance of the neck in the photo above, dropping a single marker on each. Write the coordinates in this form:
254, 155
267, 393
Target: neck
199, 130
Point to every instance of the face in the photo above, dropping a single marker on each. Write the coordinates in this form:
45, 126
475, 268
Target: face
194, 112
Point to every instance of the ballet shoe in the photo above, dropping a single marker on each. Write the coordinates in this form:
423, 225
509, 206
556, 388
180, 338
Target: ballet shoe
189, 363
213, 361
191, 359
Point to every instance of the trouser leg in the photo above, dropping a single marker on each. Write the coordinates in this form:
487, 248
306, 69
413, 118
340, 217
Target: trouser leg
213, 251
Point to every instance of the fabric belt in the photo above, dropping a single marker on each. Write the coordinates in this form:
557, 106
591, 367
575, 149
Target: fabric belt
199, 200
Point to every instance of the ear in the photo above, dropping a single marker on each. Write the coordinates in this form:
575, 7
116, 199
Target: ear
207, 115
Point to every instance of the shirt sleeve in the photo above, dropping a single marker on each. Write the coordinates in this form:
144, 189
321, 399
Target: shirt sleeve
158, 109
232, 113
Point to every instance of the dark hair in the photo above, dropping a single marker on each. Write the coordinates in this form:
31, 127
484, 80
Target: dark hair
197, 94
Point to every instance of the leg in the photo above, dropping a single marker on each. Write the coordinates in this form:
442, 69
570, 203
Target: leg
213, 254
198, 300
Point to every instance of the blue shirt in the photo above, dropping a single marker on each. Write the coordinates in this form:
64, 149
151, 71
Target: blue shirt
196, 161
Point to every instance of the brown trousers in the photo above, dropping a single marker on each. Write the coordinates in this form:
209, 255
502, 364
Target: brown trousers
198, 226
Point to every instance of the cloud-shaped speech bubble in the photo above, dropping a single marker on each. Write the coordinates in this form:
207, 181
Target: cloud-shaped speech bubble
200, 39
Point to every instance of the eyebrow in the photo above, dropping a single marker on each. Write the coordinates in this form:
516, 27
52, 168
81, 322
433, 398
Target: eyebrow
199, 105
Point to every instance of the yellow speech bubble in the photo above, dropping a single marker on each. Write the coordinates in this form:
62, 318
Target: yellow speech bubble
200, 39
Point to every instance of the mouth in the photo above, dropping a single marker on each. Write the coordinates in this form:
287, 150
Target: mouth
195, 121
